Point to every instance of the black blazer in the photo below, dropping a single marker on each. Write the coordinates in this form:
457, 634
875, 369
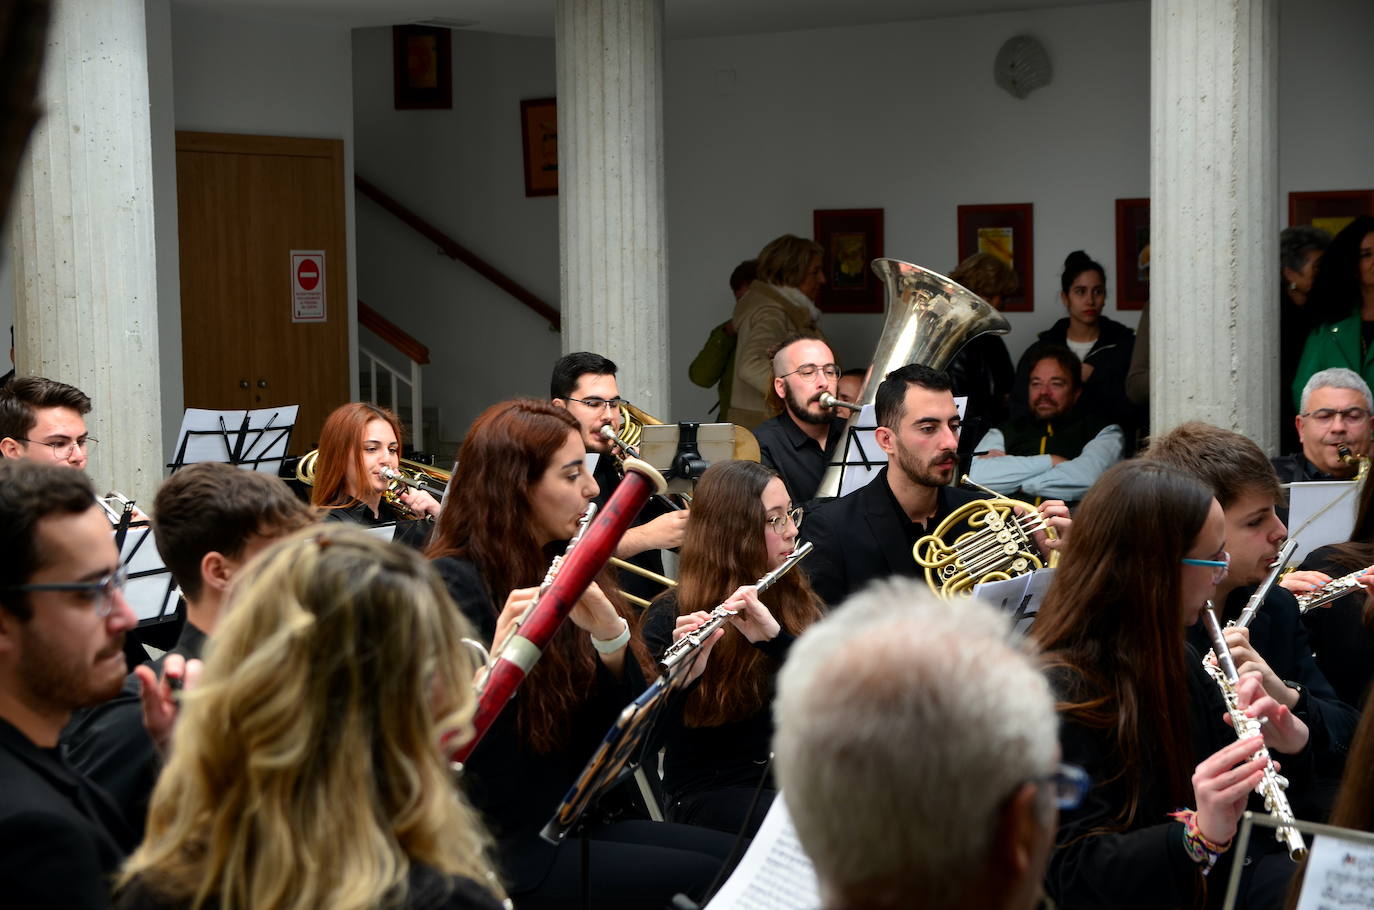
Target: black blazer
863, 536
61, 838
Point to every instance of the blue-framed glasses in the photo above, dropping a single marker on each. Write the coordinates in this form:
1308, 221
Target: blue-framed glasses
1069, 784
1218, 566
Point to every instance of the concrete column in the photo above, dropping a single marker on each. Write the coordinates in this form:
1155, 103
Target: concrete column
85, 272
611, 196
1214, 228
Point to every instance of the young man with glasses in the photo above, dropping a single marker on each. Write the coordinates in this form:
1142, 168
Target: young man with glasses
1275, 643
44, 420
800, 442
62, 624
1334, 413
584, 384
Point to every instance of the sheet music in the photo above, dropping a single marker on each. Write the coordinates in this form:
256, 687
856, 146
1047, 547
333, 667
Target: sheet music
1332, 526
150, 591
775, 874
862, 457
1339, 876
258, 445
1020, 597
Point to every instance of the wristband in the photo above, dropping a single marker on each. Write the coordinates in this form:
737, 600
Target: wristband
1200, 850
610, 646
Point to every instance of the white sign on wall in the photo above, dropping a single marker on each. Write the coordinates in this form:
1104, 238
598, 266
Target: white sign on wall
307, 286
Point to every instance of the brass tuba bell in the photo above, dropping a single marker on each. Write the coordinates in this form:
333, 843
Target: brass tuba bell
928, 318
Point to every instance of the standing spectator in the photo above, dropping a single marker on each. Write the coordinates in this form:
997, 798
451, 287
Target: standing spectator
781, 301
1300, 248
714, 364
982, 369
1342, 305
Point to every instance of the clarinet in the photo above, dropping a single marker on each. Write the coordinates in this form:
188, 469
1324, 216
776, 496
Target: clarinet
1334, 589
566, 581
689, 643
1272, 785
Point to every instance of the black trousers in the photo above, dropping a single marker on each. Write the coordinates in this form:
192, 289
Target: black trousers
726, 809
634, 865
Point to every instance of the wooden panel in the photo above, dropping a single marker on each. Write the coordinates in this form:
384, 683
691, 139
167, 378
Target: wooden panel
250, 200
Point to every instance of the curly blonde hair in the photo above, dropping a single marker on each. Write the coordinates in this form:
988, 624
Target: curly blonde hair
306, 768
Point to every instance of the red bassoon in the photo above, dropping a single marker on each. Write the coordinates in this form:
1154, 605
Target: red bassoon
568, 578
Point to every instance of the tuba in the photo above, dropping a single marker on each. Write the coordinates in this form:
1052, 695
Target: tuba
927, 319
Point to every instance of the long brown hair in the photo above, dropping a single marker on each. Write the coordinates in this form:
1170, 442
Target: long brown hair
722, 548
339, 466
1111, 625
486, 521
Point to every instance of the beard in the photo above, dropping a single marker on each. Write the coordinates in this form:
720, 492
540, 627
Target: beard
800, 412
59, 678
933, 473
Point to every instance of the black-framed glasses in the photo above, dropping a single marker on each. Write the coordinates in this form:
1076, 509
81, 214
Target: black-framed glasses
1219, 567
64, 450
1069, 784
1326, 415
600, 404
779, 522
809, 371
100, 592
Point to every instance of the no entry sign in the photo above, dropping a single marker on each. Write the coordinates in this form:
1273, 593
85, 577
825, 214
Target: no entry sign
307, 286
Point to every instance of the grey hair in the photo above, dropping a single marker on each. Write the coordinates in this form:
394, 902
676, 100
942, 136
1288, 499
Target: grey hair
903, 723
1337, 378
1297, 241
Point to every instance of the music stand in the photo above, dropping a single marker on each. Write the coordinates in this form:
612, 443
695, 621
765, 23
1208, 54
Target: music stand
254, 440
150, 590
1358, 848
859, 453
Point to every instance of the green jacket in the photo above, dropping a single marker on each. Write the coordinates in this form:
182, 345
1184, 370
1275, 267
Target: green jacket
1335, 344
716, 364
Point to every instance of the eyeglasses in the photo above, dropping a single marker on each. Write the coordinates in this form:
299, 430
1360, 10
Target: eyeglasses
100, 592
1326, 415
1069, 784
64, 450
600, 404
779, 522
1218, 566
809, 371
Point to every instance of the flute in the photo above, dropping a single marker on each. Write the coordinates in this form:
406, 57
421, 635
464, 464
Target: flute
1253, 604
694, 639
1334, 589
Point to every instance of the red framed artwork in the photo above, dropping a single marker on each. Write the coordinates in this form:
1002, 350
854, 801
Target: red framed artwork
850, 239
422, 67
1132, 253
1331, 210
539, 140
1006, 231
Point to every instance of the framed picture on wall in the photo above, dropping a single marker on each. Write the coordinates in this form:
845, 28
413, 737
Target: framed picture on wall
850, 239
422, 64
1330, 210
1132, 253
1006, 232
539, 139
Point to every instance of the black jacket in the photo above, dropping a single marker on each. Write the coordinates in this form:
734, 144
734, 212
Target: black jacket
1343, 643
426, 890
1105, 391
608, 476
61, 838
864, 535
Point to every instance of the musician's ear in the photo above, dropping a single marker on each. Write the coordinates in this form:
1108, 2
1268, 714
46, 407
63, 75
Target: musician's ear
216, 570
11, 448
560, 403
886, 439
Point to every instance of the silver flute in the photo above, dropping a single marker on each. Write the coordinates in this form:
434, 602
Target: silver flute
1272, 784
1275, 570
1334, 589
694, 639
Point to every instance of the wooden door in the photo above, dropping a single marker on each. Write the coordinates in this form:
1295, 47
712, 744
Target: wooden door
243, 204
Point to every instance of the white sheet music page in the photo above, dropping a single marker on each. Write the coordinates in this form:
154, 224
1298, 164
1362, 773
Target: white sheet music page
1339, 876
260, 437
775, 874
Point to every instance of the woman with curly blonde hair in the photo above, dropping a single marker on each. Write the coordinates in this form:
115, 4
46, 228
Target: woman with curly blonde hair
306, 768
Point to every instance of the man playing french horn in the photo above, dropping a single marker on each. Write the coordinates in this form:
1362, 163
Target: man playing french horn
870, 533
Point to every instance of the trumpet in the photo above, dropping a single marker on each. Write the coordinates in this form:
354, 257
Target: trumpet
1272, 784
693, 640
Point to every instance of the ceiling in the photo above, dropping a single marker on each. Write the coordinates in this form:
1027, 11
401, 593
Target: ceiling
684, 18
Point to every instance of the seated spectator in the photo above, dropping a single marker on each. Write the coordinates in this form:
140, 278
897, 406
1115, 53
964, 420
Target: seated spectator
982, 370
209, 519
1058, 449
714, 364
780, 302
1103, 345
918, 749
1334, 412
851, 384
800, 442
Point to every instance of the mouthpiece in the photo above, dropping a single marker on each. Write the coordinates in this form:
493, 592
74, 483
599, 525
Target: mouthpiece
1344, 454
607, 432
392, 474
827, 400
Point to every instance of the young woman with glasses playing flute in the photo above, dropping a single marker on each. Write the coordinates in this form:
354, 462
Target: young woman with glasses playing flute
718, 735
521, 487
1141, 715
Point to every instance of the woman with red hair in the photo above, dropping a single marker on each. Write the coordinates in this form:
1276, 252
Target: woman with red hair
357, 441
521, 487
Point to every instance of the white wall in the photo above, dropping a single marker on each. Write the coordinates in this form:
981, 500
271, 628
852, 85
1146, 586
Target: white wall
261, 75
763, 129
461, 171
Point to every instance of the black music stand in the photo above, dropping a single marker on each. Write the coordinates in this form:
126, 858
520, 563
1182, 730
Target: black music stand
256, 440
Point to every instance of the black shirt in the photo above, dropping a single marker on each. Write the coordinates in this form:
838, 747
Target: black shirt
786, 448
608, 476
411, 532
1343, 643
